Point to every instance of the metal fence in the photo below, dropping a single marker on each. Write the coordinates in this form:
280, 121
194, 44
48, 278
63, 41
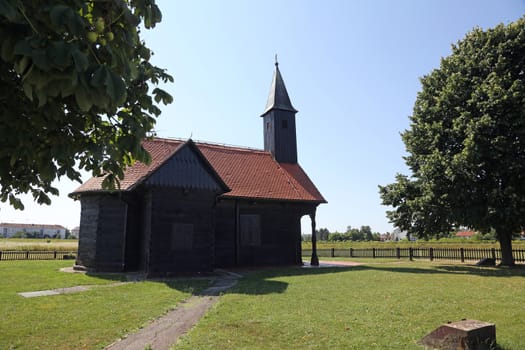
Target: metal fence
460, 254
37, 255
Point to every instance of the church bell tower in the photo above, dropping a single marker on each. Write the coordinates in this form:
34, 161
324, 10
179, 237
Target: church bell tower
279, 122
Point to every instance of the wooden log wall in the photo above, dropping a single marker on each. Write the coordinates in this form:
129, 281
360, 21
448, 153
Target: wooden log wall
111, 234
87, 244
280, 233
192, 209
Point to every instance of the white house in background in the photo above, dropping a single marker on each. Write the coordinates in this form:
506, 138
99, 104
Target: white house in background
75, 231
399, 235
8, 230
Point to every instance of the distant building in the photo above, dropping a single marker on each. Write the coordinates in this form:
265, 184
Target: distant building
8, 230
75, 231
398, 235
465, 234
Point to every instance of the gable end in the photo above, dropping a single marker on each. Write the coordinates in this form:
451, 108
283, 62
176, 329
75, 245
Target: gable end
187, 169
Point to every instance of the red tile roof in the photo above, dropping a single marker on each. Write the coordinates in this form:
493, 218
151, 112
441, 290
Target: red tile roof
465, 234
249, 173
159, 152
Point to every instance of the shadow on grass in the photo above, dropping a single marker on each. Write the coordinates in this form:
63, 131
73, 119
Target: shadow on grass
259, 282
452, 269
115, 277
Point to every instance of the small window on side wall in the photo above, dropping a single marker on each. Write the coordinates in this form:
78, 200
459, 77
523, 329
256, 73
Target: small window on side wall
284, 124
250, 227
181, 236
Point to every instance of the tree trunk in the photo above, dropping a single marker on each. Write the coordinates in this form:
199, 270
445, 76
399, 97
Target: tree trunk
505, 243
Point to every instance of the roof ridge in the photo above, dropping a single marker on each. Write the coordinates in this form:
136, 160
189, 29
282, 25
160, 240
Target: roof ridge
209, 143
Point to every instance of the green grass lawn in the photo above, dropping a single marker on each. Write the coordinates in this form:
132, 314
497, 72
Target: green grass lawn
86, 320
387, 305
383, 304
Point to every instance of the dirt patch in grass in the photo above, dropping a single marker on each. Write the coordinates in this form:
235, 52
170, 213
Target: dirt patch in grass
340, 263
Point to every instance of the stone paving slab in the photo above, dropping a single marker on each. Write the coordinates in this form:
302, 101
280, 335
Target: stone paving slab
68, 290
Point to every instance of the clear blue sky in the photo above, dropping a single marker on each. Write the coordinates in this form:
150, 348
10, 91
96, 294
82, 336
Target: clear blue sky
351, 68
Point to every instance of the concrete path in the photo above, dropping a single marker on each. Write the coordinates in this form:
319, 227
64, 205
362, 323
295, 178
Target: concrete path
166, 330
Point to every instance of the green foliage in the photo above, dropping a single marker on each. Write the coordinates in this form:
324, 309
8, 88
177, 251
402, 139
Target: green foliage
355, 234
306, 237
323, 234
19, 234
466, 142
75, 92
487, 236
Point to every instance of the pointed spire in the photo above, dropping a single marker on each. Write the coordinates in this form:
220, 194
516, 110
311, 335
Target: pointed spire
278, 97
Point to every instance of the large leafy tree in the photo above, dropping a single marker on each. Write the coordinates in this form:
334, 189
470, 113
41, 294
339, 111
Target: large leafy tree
75, 91
466, 142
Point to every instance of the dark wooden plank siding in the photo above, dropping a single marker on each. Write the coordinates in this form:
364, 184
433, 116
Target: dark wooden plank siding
225, 234
87, 240
134, 233
280, 135
170, 207
111, 233
146, 229
280, 231
184, 170
280, 240
285, 138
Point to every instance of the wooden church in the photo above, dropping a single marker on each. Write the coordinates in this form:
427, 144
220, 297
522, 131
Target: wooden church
199, 206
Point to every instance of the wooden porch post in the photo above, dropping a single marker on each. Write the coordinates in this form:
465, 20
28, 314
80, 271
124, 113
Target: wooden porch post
315, 260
